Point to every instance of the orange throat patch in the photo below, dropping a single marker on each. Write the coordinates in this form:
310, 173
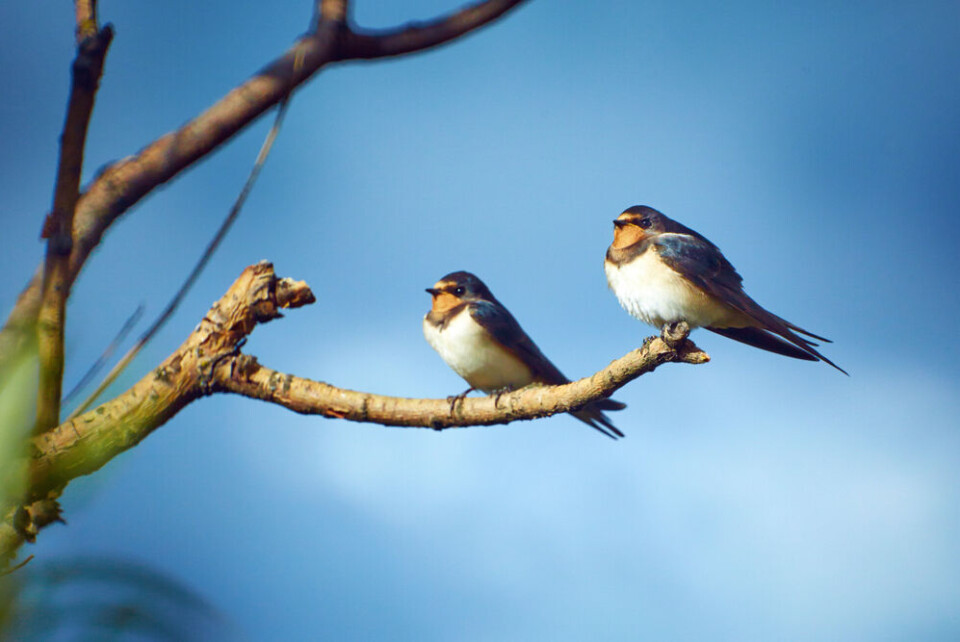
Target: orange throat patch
627, 235
443, 303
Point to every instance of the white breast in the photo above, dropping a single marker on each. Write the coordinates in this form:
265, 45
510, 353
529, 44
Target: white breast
656, 294
467, 348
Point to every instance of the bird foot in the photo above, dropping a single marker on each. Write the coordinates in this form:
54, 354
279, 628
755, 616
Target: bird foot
673, 334
455, 399
499, 392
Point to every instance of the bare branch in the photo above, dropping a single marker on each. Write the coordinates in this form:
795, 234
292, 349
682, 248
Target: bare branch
84, 444
416, 37
78, 222
124, 183
248, 378
58, 228
210, 361
198, 268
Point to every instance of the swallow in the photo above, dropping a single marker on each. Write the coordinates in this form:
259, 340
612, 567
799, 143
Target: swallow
663, 272
479, 338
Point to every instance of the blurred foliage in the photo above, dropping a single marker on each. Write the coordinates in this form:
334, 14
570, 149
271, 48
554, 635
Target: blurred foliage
18, 401
82, 598
103, 599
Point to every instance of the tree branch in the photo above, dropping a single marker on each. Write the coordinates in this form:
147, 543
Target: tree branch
124, 183
58, 228
413, 37
198, 268
210, 361
246, 377
82, 445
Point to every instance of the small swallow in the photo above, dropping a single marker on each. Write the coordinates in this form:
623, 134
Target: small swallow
479, 338
663, 272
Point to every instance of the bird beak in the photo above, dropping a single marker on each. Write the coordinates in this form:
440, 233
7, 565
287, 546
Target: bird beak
618, 223
433, 291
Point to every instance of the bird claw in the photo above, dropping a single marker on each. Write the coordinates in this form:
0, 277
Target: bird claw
499, 392
454, 399
674, 333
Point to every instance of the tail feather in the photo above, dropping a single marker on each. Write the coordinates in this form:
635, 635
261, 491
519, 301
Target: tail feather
593, 416
765, 341
608, 404
806, 332
798, 347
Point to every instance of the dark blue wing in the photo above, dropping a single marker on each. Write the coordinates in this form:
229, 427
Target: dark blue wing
498, 321
701, 262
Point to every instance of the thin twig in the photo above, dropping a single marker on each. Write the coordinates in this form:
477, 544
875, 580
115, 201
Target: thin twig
17, 567
107, 353
125, 183
198, 268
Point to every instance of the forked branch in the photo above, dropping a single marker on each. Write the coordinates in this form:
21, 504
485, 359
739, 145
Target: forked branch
210, 361
124, 183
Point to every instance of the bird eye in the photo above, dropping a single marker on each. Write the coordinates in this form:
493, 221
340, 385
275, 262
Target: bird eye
644, 223
459, 291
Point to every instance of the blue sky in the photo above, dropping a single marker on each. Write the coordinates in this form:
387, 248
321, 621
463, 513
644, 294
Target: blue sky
755, 497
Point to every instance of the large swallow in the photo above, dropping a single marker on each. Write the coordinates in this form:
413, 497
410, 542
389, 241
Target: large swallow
479, 338
663, 272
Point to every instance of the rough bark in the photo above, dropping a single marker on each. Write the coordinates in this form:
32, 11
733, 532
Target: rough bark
124, 183
210, 361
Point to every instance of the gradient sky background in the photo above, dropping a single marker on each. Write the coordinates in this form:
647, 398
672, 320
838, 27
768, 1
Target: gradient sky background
755, 498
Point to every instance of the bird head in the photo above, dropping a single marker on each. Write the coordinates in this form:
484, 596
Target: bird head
457, 288
635, 225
